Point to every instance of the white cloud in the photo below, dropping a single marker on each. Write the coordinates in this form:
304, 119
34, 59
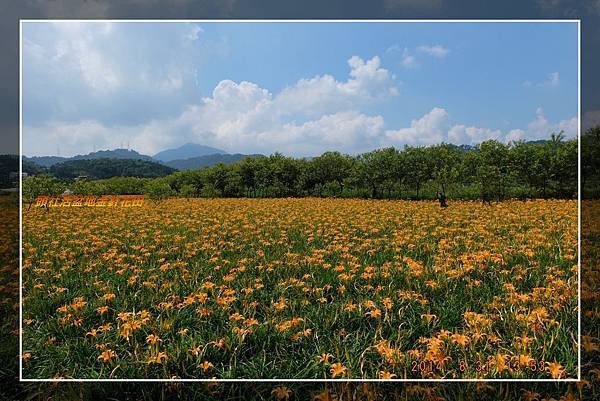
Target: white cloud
434, 127
349, 131
115, 73
393, 48
515, 135
437, 51
552, 80
236, 98
73, 138
541, 128
426, 130
368, 81
461, 134
77, 51
408, 60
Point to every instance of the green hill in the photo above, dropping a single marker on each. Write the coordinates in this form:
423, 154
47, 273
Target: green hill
109, 167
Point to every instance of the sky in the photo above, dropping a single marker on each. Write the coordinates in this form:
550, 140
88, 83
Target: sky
296, 88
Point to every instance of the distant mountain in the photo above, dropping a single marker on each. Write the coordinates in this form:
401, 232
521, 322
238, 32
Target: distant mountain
207, 161
45, 161
187, 151
105, 168
48, 161
113, 154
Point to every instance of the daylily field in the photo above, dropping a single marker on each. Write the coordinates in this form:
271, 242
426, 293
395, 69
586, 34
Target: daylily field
301, 288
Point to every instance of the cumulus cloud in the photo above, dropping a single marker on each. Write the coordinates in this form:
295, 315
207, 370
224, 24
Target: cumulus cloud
349, 131
461, 134
541, 128
435, 127
368, 81
425, 130
437, 51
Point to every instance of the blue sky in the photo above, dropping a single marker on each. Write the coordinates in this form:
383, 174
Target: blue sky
297, 88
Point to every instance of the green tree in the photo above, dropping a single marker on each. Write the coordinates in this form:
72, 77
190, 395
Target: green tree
40, 185
445, 162
493, 169
157, 189
332, 168
419, 165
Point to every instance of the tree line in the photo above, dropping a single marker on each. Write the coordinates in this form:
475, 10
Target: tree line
491, 170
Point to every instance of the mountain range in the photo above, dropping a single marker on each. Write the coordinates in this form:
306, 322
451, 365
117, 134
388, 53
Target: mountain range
187, 151
48, 161
186, 157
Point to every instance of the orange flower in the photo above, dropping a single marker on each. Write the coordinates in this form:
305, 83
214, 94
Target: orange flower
153, 339
337, 369
107, 355
219, 343
159, 358
460, 339
92, 333
108, 297
555, 369
384, 374
375, 313
105, 327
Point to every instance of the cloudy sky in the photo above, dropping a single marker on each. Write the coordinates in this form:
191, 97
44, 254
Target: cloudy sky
297, 88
